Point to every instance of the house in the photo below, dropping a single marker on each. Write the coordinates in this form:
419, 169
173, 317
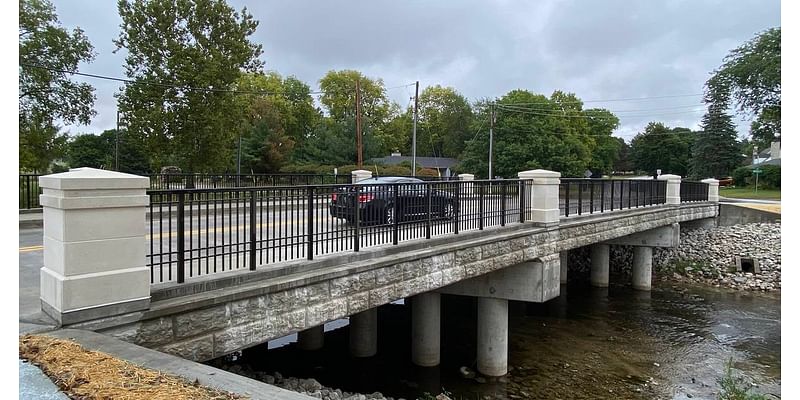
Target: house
770, 156
442, 164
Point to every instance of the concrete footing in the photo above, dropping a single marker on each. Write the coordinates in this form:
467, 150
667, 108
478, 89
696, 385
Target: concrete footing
364, 333
425, 329
564, 256
492, 336
311, 338
642, 271
599, 272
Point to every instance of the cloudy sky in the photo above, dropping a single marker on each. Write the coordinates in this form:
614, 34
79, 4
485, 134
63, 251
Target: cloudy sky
657, 52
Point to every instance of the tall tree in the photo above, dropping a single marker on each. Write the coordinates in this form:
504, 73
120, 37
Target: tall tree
339, 100
184, 58
664, 148
444, 119
605, 150
623, 162
751, 76
46, 95
716, 152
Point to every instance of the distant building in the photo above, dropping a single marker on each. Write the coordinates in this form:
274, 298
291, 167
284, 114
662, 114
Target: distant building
442, 164
770, 156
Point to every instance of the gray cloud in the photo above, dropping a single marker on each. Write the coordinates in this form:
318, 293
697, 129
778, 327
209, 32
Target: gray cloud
598, 50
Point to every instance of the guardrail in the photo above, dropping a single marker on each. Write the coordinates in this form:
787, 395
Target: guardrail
693, 191
195, 232
588, 196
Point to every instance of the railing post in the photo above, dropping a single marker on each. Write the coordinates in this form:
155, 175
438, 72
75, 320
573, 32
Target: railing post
566, 200
713, 189
94, 245
356, 218
502, 203
521, 193
310, 218
673, 188
457, 208
395, 215
602, 195
428, 213
612, 195
544, 196
253, 229
181, 238
480, 206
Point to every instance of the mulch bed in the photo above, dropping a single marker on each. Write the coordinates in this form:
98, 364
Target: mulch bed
84, 374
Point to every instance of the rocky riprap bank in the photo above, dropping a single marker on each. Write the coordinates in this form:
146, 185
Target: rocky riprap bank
308, 387
705, 256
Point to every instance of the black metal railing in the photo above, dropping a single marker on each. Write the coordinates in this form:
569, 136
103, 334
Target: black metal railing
195, 232
693, 191
29, 191
588, 196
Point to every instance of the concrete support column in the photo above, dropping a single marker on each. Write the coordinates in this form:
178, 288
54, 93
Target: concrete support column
364, 333
642, 270
469, 188
94, 244
492, 336
564, 256
673, 188
541, 196
312, 338
599, 272
425, 326
713, 189
359, 175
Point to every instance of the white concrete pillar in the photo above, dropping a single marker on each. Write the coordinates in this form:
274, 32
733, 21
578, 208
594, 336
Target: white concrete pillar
94, 244
541, 196
673, 188
425, 327
364, 333
564, 256
600, 270
642, 271
468, 189
312, 338
713, 189
359, 175
492, 336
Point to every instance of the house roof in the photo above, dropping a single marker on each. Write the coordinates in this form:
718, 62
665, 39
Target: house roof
774, 161
425, 162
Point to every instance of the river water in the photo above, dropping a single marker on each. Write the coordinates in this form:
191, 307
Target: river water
617, 343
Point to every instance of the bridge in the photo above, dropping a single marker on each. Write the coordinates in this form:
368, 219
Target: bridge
201, 273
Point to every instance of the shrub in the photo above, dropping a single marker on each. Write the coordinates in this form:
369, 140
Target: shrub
770, 177
741, 176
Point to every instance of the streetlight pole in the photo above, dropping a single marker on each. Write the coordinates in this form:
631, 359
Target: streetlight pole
414, 134
116, 144
491, 136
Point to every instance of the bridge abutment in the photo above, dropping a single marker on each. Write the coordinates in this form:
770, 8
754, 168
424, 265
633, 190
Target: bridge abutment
563, 260
425, 329
364, 333
492, 336
600, 270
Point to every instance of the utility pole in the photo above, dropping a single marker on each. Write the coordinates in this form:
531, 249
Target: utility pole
491, 137
414, 134
358, 125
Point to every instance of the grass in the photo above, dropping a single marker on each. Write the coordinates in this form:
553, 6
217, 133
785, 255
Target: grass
734, 388
85, 374
750, 193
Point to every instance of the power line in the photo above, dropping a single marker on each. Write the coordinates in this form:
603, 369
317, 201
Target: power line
609, 100
589, 111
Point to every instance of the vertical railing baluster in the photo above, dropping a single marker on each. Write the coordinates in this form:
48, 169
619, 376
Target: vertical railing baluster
356, 218
181, 272
253, 228
429, 220
457, 207
612, 194
395, 216
591, 196
310, 233
602, 195
502, 204
566, 199
480, 206
580, 197
521, 189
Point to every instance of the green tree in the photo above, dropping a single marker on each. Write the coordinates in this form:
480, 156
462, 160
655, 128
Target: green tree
90, 150
606, 148
444, 119
531, 131
660, 147
751, 76
184, 58
46, 95
339, 100
715, 152
623, 162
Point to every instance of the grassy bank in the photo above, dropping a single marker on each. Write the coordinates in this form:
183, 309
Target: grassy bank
750, 193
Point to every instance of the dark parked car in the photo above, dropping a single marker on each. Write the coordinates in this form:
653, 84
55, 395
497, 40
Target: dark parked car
377, 202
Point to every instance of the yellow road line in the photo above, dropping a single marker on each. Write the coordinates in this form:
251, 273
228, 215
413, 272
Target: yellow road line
30, 248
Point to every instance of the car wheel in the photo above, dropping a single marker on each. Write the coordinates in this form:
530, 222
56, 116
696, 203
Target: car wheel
448, 210
389, 215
